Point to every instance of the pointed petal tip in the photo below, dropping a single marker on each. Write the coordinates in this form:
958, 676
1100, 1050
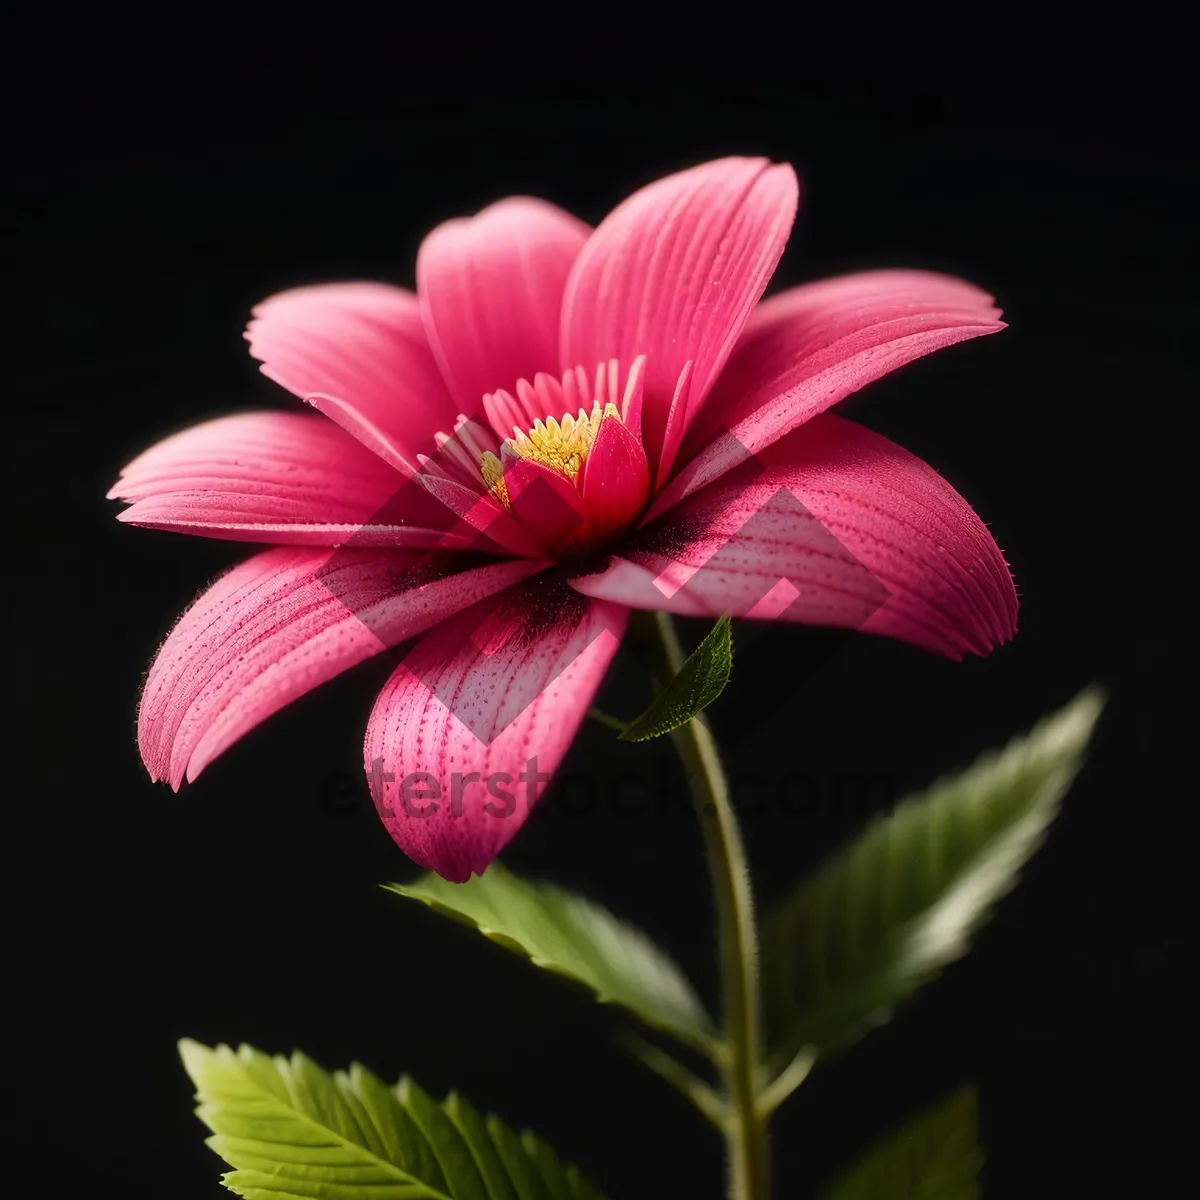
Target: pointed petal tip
990, 324
159, 772
453, 871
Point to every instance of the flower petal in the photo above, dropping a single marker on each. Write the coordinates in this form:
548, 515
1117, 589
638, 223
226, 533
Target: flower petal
615, 480
358, 353
491, 288
272, 477
860, 533
807, 348
676, 424
479, 512
479, 715
673, 273
279, 624
543, 501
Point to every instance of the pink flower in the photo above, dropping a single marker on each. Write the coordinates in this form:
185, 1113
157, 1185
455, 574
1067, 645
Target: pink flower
696, 409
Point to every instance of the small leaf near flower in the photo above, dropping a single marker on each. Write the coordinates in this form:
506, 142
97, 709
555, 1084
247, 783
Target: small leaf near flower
699, 682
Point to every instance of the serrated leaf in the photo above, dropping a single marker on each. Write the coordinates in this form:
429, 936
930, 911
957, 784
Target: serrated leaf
295, 1132
553, 1172
522, 1170
565, 933
934, 1156
474, 1132
700, 680
886, 914
453, 1155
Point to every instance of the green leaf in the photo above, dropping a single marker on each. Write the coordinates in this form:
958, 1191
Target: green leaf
294, 1132
698, 683
885, 915
934, 1156
474, 1132
565, 933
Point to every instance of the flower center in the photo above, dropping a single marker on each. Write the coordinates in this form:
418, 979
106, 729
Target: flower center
574, 482
562, 446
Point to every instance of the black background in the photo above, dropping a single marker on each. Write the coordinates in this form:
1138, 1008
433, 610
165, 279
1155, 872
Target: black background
155, 204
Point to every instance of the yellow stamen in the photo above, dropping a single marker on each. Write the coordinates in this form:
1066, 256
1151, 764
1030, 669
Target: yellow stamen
493, 476
560, 445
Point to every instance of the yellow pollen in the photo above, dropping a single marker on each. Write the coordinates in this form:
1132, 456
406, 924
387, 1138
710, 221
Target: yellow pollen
560, 445
493, 476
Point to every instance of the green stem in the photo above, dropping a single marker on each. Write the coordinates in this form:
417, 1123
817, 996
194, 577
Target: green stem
786, 1082
598, 714
679, 1077
746, 1131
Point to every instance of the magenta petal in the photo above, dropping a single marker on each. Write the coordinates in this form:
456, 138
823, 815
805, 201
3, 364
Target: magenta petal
543, 501
616, 478
673, 273
506, 412
279, 624
635, 395
877, 541
546, 396
491, 288
358, 353
266, 477
477, 509
805, 349
473, 723
677, 417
